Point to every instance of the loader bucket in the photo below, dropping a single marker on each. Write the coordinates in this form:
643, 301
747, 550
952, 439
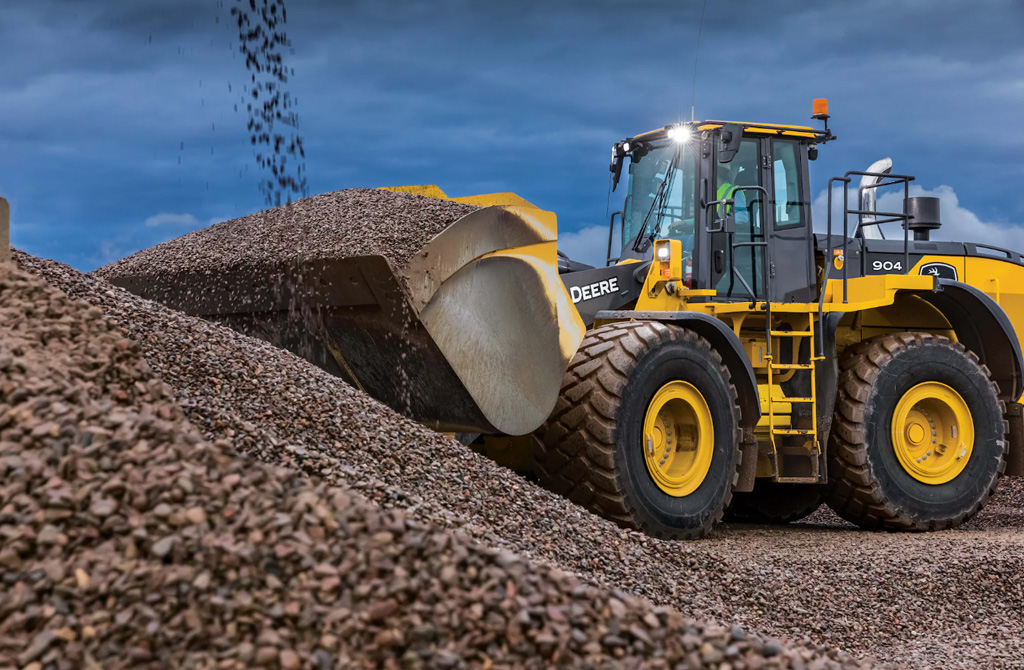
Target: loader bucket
474, 334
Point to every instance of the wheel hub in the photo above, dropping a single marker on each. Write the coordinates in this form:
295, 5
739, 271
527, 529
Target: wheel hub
932, 433
678, 438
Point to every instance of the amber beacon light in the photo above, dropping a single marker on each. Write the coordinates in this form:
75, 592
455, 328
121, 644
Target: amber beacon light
819, 109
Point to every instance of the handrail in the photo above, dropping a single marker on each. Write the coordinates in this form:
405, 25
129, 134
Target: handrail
894, 179
766, 276
828, 260
884, 179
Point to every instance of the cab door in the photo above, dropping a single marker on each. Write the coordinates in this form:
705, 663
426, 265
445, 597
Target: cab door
737, 260
792, 270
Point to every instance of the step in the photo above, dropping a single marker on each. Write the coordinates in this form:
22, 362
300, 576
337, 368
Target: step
797, 480
792, 366
792, 333
794, 431
792, 398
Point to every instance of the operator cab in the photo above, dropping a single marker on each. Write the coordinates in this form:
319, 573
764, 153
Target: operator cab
737, 198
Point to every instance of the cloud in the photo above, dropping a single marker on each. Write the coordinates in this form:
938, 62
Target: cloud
183, 220
589, 245
480, 97
959, 224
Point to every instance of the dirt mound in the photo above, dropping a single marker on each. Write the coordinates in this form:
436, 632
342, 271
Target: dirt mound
351, 222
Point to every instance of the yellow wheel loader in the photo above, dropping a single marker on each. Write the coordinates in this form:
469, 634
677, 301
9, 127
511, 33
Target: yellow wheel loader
728, 361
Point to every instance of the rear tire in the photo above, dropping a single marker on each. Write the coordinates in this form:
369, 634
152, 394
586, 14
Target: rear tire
592, 448
875, 482
774, 503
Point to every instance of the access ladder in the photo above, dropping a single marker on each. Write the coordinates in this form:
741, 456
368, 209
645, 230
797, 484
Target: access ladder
778, 435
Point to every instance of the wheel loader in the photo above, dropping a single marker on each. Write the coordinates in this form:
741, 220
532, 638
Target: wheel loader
728, 361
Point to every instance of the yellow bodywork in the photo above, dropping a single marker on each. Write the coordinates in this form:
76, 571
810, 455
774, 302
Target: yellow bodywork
1001, 280
484, 200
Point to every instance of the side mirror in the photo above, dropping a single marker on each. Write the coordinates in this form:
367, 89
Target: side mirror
616, 170
730, 135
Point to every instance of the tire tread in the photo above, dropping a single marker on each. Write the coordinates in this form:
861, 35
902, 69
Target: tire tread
574, 452
854, 493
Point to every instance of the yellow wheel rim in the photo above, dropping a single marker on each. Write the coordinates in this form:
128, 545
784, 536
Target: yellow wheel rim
678, 439
932, 433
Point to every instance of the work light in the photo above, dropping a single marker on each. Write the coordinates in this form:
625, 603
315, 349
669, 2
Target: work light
680, 134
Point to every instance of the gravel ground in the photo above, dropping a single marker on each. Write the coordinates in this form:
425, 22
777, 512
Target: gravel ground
950, 599
352, 222
129, 541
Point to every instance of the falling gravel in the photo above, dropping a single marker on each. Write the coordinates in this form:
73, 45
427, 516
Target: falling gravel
273, 123
129, 541
342, 224
952, 599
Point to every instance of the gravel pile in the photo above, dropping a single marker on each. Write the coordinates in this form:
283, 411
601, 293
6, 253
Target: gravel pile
1005, 510
341, 224
129, 541
951, 598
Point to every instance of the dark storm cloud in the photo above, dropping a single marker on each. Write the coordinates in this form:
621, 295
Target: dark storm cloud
523, 96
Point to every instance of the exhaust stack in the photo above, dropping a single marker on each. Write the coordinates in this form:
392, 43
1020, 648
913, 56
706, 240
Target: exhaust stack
868, 200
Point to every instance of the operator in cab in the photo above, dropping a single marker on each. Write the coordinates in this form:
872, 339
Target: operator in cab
727, 181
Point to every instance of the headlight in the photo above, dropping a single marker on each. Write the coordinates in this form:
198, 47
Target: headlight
668, 258
680, 134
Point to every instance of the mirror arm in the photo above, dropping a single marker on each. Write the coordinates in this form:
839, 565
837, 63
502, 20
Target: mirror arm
611, 236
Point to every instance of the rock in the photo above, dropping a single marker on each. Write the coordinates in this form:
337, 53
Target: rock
288, 659
163, 546
103, 507
40, 643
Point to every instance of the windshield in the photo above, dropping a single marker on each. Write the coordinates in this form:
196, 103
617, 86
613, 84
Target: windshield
674, 166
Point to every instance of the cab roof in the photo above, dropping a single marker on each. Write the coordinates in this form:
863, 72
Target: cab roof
814, 134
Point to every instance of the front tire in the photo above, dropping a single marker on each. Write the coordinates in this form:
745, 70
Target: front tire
645, 430
918, 441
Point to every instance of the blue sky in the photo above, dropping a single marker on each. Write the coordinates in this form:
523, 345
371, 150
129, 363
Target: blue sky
118, 126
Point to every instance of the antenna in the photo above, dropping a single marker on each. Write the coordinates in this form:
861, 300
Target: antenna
696, 51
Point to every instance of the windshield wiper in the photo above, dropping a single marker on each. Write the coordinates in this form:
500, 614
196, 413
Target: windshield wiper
659, 201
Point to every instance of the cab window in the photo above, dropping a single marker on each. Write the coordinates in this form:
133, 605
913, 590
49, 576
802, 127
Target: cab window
662, 200
789, 205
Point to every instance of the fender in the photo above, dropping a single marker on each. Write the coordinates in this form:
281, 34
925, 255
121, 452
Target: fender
725, 342
982, 326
